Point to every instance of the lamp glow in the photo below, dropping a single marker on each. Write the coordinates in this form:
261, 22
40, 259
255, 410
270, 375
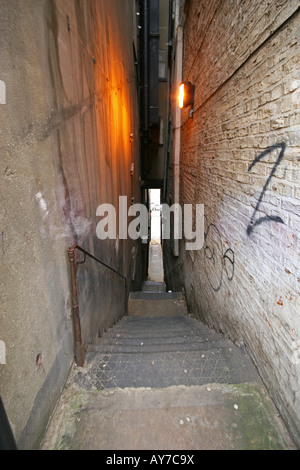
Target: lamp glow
186, 94
181, 95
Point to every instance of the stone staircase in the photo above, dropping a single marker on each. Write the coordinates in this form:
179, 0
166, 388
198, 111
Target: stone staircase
159, 345
160, 379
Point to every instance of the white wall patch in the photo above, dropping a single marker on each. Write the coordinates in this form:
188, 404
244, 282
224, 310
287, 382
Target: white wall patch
2, 92
2, 353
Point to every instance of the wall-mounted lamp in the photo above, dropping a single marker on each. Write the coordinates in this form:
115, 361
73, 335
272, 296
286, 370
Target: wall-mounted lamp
186, 94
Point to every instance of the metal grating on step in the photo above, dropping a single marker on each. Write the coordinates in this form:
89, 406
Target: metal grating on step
160, 352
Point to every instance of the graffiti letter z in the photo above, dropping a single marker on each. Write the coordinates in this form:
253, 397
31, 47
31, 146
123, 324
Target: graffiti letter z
254, 222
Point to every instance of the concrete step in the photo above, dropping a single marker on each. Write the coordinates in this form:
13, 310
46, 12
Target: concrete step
160, 326
156, 304
145, 295
162, 338
153, 286
178, 418
142, 347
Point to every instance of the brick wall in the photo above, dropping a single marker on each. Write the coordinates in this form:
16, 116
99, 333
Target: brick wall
240, 158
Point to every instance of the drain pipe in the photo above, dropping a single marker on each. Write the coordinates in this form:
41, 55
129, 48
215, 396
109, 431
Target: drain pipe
168, 107
79, 348
145, 65
176, 138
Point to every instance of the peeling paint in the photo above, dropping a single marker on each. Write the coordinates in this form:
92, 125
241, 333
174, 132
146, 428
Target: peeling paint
280, 302
42, 204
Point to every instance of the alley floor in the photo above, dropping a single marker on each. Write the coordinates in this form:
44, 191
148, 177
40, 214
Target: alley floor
161, 380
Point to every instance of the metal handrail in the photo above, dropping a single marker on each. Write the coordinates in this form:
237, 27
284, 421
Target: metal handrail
79, 346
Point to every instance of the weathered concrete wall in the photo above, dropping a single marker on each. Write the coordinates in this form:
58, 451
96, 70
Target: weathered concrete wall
68, 107
240, 158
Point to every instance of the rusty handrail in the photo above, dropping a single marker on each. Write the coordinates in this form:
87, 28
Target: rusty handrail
79, 346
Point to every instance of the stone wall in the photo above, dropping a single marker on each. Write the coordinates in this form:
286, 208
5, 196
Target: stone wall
68, 108
240, 158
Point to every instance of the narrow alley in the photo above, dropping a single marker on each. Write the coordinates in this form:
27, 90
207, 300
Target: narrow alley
150, 225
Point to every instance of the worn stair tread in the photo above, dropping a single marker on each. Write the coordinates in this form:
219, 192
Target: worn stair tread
145, 295
144, 348
148, 329
165, 368
160, 326
161, 337
167, 338
153, 286
158, 320
170, 338
235, 352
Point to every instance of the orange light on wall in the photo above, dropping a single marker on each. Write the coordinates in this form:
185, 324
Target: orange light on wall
186, 94
181, 95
